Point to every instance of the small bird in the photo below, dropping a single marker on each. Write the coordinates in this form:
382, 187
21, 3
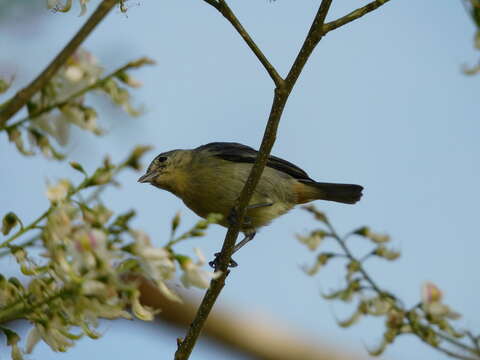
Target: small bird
210, 178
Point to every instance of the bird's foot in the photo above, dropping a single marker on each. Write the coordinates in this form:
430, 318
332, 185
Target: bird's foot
215, 262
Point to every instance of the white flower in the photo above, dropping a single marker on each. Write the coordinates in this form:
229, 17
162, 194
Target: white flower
142, 312
85, 118
53, 335
156, 263
59, 224
93, 287
57, 5
74, 73
313, 240
87, 64
432, 302
33, 338
431, 293
194, 275
81, 70
55, 126
83, 5
16, 352
89, 247
59, 191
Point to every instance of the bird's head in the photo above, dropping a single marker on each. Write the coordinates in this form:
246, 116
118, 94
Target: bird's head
168, 170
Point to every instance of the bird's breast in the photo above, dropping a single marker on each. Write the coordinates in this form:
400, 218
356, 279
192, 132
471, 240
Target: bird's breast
215, 190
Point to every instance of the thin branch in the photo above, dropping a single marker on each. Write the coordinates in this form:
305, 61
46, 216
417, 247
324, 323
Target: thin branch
23, 230
349, 254
354, 15
280, 99
24, 95
97, 84
475, 341
379, 291
453, 354
458, 343
314, 36
225, 10
23, 245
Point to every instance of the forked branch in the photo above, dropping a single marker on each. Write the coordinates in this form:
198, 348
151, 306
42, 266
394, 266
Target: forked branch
282, 91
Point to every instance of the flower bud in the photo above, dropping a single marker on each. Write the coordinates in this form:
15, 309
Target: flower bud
9, 221
75, 165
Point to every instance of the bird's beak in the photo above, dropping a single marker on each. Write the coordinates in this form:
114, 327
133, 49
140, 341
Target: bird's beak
147, 178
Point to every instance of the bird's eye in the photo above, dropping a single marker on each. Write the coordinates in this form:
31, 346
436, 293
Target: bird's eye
161, 159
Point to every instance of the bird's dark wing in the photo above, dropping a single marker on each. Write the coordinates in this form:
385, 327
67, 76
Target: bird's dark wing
245, 154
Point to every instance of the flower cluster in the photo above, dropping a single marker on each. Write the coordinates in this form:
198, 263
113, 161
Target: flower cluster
62, 103
88, 258
430, 319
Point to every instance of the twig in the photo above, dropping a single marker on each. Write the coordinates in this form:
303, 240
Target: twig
380, 292
314, 36
225, 10
73, 96
453, 354
354, 15
25, 244
280, 98
24, 95
349, 254
23, 230
457, 343
475, 341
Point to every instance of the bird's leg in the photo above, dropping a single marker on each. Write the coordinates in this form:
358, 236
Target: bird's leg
240, 244
232, 219
248, 237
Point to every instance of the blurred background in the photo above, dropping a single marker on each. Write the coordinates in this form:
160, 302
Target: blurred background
382, 103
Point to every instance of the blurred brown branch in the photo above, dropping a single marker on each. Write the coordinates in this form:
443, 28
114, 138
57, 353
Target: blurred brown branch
253, 334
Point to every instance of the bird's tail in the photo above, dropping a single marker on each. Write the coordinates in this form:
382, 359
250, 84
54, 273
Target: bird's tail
343, 193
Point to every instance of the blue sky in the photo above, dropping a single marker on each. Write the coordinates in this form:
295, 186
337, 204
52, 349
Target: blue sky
381, 103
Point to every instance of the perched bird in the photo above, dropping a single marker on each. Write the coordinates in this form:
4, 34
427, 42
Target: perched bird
209, 179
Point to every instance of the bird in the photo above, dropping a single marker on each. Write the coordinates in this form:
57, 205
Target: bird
210, 178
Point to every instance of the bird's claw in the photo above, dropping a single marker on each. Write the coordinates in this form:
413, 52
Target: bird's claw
215, 262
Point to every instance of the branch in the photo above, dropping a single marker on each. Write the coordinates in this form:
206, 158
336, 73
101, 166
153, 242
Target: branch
23, 230
97, 84
314, 36
425, 332
354, 15
24, 95
225, 10
280, 98
239, 329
